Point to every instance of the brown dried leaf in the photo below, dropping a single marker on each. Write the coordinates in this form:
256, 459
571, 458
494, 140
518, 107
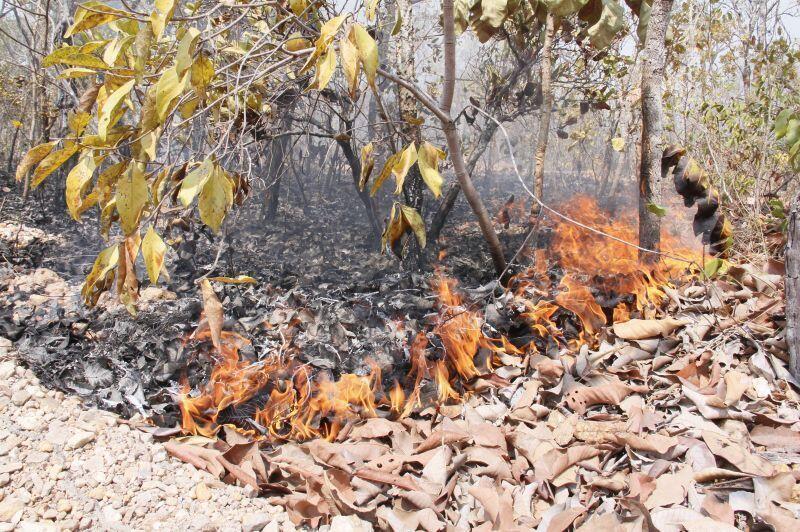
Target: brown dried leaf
735, 453
640, 329
212, 309
774, 438
580, 399
557, 461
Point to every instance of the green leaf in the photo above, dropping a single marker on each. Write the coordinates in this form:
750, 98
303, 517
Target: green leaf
716, 266
658, 210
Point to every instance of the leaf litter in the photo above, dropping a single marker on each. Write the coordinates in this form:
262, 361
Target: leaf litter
675, 412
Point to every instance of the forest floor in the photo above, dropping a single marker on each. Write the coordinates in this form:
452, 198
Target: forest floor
604, 401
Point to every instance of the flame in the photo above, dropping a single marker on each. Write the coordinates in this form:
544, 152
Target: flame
279, 398
597, 272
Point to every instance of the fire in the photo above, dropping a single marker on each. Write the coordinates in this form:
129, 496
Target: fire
602, 279
278, 398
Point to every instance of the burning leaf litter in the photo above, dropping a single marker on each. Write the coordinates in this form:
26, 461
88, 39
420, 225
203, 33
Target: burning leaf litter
591, 394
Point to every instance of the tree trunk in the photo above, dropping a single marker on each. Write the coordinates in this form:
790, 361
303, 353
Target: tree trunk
355, 169
650, 177
546, 74
275, 170
409, 111
454, 144
450, 197
793, 292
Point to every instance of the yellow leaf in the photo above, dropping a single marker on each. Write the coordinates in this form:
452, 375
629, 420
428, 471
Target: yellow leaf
76, 72
202, 73
78, 181
141, 48
85, 19
404, 163
16, 123
371, 7
77, 121
367, 164
107, 180
428, 157
326, 65
183, 59
239, 279
72, 56
51, 163
132, 195
415, 222
328, 31
110, 105
149, 144
350, 65
297, 43
170, 85
298, 6
368, 51
194, 181
215, 199
114, 48
34, 155
161, 15
153, 250
618, 143
101, 278
385, 173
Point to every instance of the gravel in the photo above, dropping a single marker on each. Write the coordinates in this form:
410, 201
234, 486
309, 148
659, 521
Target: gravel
66, 467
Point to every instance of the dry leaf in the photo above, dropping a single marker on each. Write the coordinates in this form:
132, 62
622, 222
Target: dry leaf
640, 329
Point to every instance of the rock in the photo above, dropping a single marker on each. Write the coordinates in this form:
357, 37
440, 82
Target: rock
31, 423
20, 397
10, 467
45, 446
5, 478
271, 527
7, 369
109, 517
201, 492
98, 493
64, 506
255, 521
79, 439
349, 523
34, 526
9, 508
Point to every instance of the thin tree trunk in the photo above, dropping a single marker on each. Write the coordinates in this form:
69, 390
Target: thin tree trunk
546, 74
793, 292
650, 176
454, 144
409, 110
449, 200
355, 169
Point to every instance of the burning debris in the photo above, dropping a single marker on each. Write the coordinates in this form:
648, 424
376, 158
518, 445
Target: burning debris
594, 391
